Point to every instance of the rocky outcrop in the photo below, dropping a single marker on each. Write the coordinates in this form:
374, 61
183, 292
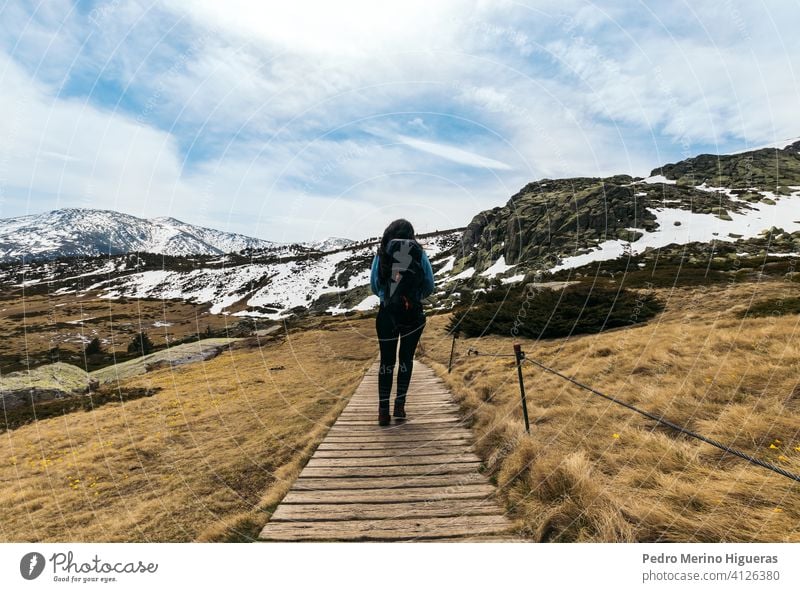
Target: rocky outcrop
548, 216
769, 169
552, 218
45, 383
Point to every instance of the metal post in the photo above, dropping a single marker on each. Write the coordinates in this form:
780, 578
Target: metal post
452, 349
520, 355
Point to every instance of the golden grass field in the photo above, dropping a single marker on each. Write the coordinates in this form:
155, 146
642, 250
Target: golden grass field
206, 458
594, 471
210, 455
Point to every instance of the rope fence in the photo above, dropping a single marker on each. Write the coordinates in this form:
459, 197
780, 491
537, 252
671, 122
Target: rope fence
520, 357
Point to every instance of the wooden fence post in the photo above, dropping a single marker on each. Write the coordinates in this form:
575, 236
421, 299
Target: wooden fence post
520, 356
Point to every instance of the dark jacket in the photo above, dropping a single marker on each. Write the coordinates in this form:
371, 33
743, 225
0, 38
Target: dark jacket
427, 283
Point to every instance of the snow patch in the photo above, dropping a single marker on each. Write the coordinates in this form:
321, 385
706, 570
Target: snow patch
659, 179
447, 266
497, 267
467, 273
513, 279
695, 227
368, 303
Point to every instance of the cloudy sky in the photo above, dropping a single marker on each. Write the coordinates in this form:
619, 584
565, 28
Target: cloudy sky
310, 119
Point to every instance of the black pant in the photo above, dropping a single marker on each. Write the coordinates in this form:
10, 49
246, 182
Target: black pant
388, 336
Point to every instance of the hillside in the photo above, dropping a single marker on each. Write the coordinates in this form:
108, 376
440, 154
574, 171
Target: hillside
181, 463
551, 225
735, 211
721, 360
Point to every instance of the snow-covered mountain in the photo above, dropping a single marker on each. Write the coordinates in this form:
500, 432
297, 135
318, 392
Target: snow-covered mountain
86, 232
271, 284
735, 211
83, 232
332, 243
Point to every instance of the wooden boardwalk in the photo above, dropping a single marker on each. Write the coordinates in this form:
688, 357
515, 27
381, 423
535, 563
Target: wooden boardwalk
416, 480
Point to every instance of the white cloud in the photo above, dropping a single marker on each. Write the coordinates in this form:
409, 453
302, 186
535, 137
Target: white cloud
316, 116
418, 123
696, 78
66, 152
344, 28
454, 154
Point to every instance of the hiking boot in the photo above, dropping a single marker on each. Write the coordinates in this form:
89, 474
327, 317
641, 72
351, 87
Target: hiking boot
384, 418
399, 411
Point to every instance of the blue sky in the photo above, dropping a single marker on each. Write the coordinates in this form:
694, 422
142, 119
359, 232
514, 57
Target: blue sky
302, 120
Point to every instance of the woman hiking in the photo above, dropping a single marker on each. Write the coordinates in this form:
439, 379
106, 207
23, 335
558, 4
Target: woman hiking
401, 277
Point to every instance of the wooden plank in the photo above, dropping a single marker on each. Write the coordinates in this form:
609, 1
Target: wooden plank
393, 461
396, 452
413, 480
416, 380
372, 402
416, 395
372, 412
411, 494
384, 530
454, 468
408, 427
372, 416
340, 437
417, 377
413, 395
427, 407
411, 440
432, 435
402, 445
415, 420
418, 384
400, 482
365, 511
509, 537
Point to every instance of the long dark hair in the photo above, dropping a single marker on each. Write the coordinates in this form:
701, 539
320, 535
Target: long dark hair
398, 229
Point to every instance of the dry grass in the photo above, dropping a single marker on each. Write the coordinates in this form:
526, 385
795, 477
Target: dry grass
206, 458
33, 324
594, 471
210, 455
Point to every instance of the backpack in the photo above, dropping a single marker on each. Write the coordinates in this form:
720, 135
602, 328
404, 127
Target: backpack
402, 289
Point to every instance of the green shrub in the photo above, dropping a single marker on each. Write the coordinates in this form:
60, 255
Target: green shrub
527, 311
140, 344
14, 418
773, 307
93, 347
